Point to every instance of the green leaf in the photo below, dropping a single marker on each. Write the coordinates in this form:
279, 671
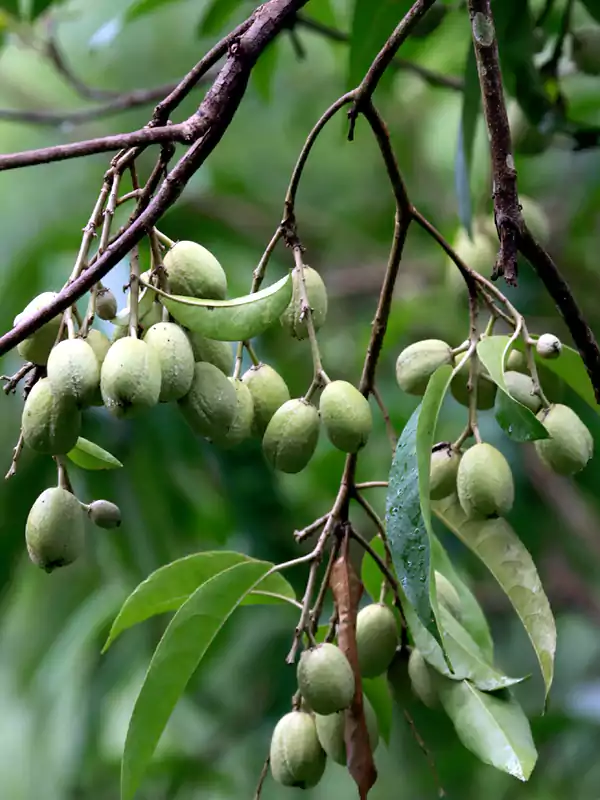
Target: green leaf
472, 616
408, 508
471, 112
570, 367
503, 553
12, 6
231, 320
183, 645
216, 16
518, 422
492, 727
39, 6
140, 8
379, 695
89, 455
322, 11
170, 586
593, 8
372, 24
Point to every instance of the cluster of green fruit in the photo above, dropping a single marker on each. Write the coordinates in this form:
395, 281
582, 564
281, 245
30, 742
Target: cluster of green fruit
303, 738
159, 361
481, 476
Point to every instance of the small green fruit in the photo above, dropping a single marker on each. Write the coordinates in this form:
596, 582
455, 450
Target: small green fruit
376, 639
447, 595
443, 470
346, 416
548, 346
74, 371
486, 389
211, 404
106, 304
269, 392
242, 421
130, 377
100, 344
291, 436
330, 729
55, 529
417, 363
571, 445
176, 359
517, 362
50, 424
484, 482
218, 353
36, 348
104, 514
293, 318
478, 253
521, 387
296, 756
586, 50
325, 679
193, 271
421, 679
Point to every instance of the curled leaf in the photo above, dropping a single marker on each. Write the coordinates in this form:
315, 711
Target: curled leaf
89, 455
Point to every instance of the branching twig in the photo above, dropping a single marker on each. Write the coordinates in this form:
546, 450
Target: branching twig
12, 381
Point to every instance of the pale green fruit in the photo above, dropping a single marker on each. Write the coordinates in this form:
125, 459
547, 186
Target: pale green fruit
100, 344
416, 364
152, 317
571, 445
242, 421
517, 362
55, 529
536, 219
36, 348
586, 50
211, 404
447, 595
376, 639
296, 756
521, 388
104, 514
486, 389
548, 346
325, 679
346, 416
443, 469
74, 371
218, 353
330, 729
176, 359
106, 304
269, 392
50, 424
193, 271
478, 253
130, 377
119, 332
293, 319
291, 436
421, 679
485, 482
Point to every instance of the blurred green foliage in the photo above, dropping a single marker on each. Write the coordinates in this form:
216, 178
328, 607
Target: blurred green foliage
65, 707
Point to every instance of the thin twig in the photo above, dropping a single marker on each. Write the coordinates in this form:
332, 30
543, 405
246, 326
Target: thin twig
372, 485
385, 571
263, 776
419, 740
386, 418
305, 533
15, 456
12, 381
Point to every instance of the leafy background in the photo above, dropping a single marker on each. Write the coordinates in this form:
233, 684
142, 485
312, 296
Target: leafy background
64, 706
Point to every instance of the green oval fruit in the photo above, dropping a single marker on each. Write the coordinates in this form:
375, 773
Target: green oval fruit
50, 424
211, 404
548, 346
100, 344
119, 332
104, 514
447, 595
293, 318
193, 271
130, 377
330, 730
376, 639
443, 470
269, 392
176, 359
346, 416
106, 304
291, 436
242, 421
218, 353
517, 362
417, 363
74, 371
421, 679
325, 679
521, 387
151, 317
36, 348
485, 482
585, 50
571, 445
478, 253
486, 389
296, 756
55, 529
